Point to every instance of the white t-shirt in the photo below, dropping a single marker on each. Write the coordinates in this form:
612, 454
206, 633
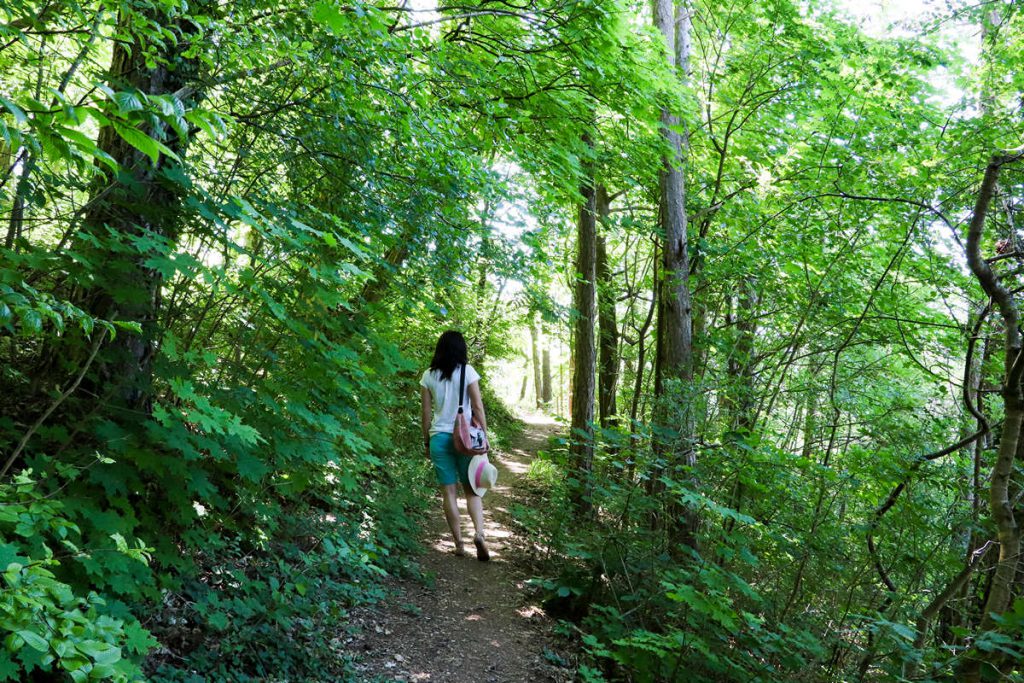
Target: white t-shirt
446, 399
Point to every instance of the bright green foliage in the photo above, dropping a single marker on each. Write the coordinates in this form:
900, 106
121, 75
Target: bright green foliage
232, 232
46, 622
652, 616
273, 239
827, 177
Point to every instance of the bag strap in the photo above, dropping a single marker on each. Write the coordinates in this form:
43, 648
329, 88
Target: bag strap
462, 385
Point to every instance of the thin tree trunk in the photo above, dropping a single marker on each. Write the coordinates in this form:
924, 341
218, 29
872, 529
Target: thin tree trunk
584, 350
810, 429
973, 390
641, 355
29, 160
546, 374
561, 390
999, 500
484, 259
608, 366
912, 668
538, 386
970, 615
740, 400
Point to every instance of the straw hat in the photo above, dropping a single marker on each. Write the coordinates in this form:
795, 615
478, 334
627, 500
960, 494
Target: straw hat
482, 474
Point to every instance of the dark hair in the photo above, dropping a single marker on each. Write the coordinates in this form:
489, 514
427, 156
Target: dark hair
449, 353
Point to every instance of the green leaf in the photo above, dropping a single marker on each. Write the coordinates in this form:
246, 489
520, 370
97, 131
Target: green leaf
327, 13
139, 140
128, 101
31, 323
218, 620
138, 639
107, 656
9, 671
353, 247
129, 325
167, 151
101, 653
34, 641
251, 468
19, 114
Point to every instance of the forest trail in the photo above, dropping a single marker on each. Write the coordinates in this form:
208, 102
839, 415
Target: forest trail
474, 623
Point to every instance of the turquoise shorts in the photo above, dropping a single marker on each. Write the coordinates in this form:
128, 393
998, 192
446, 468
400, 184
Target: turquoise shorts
449, 465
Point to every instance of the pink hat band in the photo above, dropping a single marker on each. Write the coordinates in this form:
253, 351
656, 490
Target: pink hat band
482, 474
479, 471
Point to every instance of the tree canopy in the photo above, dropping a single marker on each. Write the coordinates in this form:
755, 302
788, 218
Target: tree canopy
761, 257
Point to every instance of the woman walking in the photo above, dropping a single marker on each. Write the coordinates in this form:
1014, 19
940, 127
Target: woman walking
440, 403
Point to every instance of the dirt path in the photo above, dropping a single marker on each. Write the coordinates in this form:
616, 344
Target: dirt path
474, 623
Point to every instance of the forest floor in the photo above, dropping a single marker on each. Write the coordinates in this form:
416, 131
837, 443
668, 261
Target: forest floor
470, 621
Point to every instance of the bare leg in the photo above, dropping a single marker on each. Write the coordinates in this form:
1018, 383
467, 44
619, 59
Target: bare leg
475, 505
451, 513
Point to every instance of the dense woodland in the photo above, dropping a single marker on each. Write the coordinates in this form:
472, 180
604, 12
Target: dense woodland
766, 263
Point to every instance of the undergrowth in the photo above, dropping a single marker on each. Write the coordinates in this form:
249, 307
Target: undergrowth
641, 610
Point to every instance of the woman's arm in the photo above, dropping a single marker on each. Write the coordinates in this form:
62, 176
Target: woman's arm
477, 404
425, 408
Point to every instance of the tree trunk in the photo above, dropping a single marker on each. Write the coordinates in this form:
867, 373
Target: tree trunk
675, 320
538, 386
740, 398
144, 204
608, 366
1000, 504
974, 381
377, 286
481, 336
561, 390
999, 500
546, 376
584, 352
810, 429
674, 361
641, 354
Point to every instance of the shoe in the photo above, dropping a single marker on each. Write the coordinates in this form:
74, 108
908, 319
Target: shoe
481, 549
460, 550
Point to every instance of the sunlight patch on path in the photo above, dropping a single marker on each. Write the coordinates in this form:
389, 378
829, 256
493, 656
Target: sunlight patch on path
470, 623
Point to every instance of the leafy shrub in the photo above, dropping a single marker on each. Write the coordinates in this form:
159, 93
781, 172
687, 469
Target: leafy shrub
645, 614
50, 626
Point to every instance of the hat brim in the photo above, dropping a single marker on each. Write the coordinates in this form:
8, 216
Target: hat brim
475, 468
